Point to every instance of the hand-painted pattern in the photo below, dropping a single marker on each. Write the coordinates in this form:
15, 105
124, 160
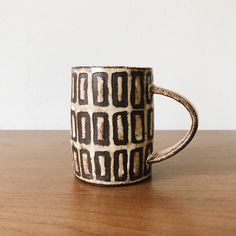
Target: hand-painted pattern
111, 124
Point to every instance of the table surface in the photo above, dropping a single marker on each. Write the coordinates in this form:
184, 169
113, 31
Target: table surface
193, 193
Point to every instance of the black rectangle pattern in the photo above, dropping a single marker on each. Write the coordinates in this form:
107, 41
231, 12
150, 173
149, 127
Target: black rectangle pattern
124, 88
106, 129
88, 163
149, 95
85, 100
133, 175
95, 77
87, 131
150, 124
73, 117
117, 156
124, 120
148, 151
73, 87
137, 75
76, 159
107, 165
134, 127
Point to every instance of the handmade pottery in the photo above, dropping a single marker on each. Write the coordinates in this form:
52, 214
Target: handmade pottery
112, 124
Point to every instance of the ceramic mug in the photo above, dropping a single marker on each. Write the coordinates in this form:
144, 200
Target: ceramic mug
112, 124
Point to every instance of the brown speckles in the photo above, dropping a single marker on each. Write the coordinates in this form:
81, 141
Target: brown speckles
136, 163
100, 128
138, 93
171, 151
120, 128
100, 85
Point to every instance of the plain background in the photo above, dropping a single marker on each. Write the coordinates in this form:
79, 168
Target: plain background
190, 44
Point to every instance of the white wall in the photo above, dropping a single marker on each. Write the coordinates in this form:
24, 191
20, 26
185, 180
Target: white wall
190, 44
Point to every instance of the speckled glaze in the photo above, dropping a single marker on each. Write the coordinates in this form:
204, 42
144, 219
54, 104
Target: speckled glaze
112, 124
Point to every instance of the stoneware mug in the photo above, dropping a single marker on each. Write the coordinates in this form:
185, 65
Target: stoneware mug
112, 124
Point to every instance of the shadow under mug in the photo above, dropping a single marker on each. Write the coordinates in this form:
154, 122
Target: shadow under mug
112, 124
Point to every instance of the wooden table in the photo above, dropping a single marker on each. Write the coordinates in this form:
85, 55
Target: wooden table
191, 194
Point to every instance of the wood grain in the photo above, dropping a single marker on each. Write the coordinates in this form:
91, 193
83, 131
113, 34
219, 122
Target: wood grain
193, 193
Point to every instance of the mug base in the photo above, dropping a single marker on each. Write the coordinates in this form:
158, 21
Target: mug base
113, 184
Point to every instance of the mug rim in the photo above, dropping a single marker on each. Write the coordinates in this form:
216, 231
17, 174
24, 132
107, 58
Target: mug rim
113, 67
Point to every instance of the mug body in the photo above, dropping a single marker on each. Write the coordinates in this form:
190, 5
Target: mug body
111, 124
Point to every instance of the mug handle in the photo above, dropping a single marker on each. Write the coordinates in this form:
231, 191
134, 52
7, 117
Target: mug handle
171, 151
